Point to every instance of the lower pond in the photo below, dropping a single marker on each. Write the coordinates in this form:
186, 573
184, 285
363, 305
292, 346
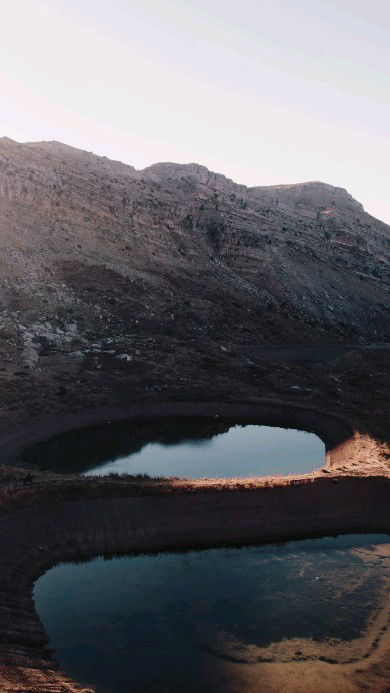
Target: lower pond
187, 447
190, 621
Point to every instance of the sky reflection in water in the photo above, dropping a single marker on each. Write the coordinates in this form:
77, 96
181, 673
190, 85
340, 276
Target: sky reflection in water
168, 622
243, 451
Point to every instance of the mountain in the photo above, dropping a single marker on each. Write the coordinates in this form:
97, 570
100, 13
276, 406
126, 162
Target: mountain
87, 238
161, 302
99, 260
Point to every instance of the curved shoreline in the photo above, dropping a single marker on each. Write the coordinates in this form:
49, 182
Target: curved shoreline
66, 517
36, 538
331, 429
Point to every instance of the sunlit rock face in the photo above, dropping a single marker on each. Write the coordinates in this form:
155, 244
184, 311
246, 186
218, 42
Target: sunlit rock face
224, 619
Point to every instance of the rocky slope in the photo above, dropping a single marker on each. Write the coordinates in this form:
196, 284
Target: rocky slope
113, 278
171, 292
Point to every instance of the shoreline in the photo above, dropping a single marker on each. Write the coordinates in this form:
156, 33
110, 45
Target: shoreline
37, 537
331, 429
50, 517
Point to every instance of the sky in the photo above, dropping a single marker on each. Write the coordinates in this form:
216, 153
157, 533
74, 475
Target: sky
264, 91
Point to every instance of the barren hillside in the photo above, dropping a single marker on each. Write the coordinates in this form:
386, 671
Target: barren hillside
111, 275
181, 251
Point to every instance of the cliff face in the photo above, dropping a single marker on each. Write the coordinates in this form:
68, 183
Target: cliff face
101, 264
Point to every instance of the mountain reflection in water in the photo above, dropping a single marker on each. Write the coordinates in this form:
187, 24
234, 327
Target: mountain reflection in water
192, 447
242, 451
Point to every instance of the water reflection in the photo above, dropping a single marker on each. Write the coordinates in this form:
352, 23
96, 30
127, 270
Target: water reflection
195, 620
189, 447
241, 451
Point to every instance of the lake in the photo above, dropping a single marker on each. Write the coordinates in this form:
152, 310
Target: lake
188, 447
241, 451
187, 621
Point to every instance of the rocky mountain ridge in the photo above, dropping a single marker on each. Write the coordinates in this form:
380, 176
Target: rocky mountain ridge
118, 284
303, 261
97, 255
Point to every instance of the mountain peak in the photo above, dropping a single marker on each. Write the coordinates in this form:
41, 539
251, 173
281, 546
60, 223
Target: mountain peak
313, 195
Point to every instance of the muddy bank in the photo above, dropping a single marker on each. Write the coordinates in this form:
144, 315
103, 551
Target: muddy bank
352, 388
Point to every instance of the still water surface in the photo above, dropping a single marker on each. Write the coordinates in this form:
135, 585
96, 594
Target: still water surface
242, 451
176, 621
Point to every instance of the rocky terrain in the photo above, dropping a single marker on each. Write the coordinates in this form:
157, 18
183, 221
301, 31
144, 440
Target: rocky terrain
116, 282
173, 292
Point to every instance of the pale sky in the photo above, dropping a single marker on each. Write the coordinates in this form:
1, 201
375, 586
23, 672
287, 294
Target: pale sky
264, 91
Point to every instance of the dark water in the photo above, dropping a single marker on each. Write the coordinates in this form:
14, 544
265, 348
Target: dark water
241, 451
174, 622
183, 446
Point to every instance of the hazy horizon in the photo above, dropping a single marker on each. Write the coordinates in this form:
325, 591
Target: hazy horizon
267, 93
